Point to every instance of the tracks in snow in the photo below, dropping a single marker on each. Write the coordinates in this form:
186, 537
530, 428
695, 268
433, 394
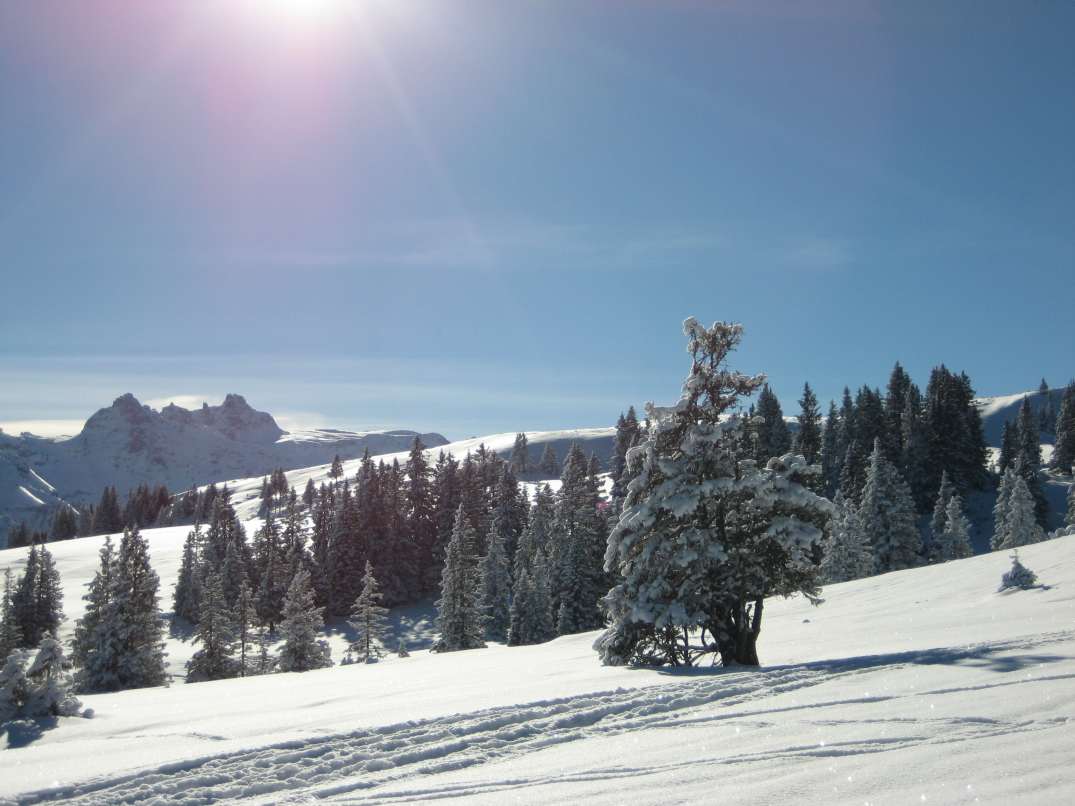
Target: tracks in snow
354, 765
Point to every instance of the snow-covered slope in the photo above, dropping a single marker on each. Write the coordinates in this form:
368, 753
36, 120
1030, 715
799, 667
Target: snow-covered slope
128, 444
998, 410
917, 686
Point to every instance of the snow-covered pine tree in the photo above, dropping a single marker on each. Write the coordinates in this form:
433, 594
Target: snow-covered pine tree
940, 512
368, 619
139, 628
216, 634
808, 438
24, 600
1018, 576
50, 690
1063, 458
188, 592
520, 455
887, 515
10, 633
1000, 509
549, 465
704, 536
244, 618
532, 619
264, 662
849, 554
1020, 522
953, 543
496, 588
48, 600
1028, 460
302, 621
460, 619
1008, 447
90, 648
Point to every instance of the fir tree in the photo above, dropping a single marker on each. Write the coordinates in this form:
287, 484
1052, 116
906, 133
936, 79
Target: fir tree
188, 589
50, 689
1008, 447
887, 515
1063, 458
10, 633
1019, 576
368, 620
953, 542
831, 461
848, 554
940, 510
520, 455
64, 523
772, 434
138, 623
216, 634
244, 618
335, 471
107, 517
48, 597
1000, 509
705, 537
460, 620
1020, 522
808, 438
549, 465
91, 643
531, 615
24, 600
496, 588
302, 621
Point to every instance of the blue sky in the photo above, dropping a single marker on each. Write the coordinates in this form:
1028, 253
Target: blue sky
487, 216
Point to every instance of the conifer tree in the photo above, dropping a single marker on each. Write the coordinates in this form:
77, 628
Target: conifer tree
1018, 576
368, 619
1063, 458
772, 432
48, 597
940, 509
887, 515
138, 623
1008, 447
302, 621
335, 471
549, 465
92, 643
1000, 509
520, 455
705, 537
849, 554
1020, 522
24, 599
831, 461
107, 517
244, 619
64, 523
808, 437
496, 588
216, 634
460, 620
10, 633
50, 692
953, 543
188, 588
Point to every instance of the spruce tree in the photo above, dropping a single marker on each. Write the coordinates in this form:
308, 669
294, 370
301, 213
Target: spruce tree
848, 554
808, 438
1000, 509
302, 621
92, 646
244, 618
830, 459
50, 691
520, 455
773, 438
1018, 576
953, 543
549, 465
1020, 521
887, 515
10, 633
496, 588
1063, 458
138, 623
368, 620
940, 509
64, 523
1008, 447
48, 597
24, 600
216, 634
188, 589
335, 470
460, 620
705, 536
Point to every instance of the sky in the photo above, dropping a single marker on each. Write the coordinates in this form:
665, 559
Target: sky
475, 217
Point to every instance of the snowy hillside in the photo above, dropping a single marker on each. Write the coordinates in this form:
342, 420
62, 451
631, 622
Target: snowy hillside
918, 686
128, 444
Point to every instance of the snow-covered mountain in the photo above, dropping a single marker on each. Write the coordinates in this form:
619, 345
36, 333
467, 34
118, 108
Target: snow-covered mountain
923, 686
127, 444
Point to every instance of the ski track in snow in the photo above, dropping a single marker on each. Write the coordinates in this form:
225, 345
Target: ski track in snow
352, 766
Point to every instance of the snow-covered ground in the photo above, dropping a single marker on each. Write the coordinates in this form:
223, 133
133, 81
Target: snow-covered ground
917, 686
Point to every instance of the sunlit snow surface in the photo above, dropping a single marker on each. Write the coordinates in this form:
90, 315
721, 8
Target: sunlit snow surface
917, 686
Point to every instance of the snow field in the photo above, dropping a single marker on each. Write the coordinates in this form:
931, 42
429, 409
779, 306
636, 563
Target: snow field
917, 683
